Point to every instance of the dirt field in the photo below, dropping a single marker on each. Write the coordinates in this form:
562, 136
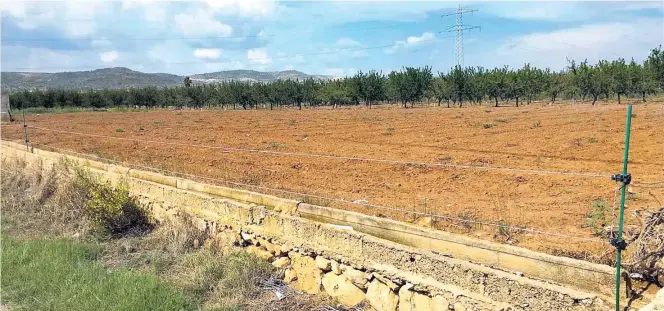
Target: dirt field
579, 138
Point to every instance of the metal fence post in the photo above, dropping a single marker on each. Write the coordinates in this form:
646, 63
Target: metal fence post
625, 179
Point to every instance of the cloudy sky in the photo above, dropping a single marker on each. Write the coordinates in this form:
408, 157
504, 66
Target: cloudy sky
331, 37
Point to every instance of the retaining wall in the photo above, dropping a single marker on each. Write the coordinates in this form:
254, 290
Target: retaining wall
377, 259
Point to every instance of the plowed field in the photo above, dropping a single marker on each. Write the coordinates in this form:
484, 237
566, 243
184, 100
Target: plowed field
574, 138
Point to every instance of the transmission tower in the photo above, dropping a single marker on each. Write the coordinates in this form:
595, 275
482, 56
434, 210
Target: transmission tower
459, 28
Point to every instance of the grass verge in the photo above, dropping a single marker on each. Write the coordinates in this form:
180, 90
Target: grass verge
71, 241
45, 274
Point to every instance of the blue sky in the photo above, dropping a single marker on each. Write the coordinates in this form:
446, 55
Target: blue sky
322, 37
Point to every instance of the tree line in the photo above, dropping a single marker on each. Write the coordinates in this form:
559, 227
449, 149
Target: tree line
409, 86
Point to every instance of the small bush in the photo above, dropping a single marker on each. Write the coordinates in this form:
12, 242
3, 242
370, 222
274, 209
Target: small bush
488, 125
592, 140
597, 218
291, 122
390, 131
111, 210
502, 120
119, 130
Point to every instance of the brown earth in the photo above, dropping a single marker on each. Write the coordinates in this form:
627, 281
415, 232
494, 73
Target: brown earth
579, 138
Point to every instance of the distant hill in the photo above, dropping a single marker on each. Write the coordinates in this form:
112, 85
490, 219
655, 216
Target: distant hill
254, 76
120, 77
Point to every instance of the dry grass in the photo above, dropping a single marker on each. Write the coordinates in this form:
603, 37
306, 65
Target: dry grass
38, 202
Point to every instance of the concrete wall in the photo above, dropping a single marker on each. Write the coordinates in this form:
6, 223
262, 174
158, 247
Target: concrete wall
465, 273
5, 113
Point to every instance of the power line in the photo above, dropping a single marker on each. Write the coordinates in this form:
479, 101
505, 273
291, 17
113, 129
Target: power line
235, 60
376, 206
349, 158
459, 28
170, 38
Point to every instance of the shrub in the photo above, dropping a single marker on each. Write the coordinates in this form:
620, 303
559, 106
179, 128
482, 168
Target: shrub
488, 125
119, 130
390, 131
597, 218
111, 210
592, 140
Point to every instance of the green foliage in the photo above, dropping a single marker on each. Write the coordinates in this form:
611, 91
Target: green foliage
63, 275
488, 125
390, 131
111, 210
119, 130
592, 140
408, 85
597, 219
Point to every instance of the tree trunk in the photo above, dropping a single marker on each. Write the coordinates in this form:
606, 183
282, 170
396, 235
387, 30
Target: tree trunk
404, 103
460, 102
439, 100
496, 98
553, 99
299, 104
644, 96
618, 98
594, 99
517, 101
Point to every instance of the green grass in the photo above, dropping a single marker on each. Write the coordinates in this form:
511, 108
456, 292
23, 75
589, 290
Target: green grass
47, 274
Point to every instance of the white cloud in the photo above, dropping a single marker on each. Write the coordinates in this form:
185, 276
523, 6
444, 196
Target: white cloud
258, 56
411, 42
79, 16
594, 42
100, 43
201, 22
340, 72
207, 53
109, 57
347, 42
154, 13
243, 8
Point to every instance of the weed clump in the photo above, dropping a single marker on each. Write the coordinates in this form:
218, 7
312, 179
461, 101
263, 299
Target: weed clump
110, 210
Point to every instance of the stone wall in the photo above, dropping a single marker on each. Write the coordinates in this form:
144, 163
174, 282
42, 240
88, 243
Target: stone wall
319, 257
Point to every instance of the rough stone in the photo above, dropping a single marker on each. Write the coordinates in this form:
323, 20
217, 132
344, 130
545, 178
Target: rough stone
656, 304
260, 253
289, 276
287, 247
339, 287
281, 262
358, 278
247, 237
323, 263
412, 301
308, 275
440, 303
459, 307
335, 267
387, 281
381, 297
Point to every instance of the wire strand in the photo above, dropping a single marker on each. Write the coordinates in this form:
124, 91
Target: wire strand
349, 158
377, 206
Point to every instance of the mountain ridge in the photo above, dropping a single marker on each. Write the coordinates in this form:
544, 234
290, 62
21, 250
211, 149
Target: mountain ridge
122, 77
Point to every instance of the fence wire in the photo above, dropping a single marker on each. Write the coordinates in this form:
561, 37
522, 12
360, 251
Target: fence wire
350, 158
339, 200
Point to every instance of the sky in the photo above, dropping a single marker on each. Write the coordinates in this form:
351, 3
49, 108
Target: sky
322, 37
